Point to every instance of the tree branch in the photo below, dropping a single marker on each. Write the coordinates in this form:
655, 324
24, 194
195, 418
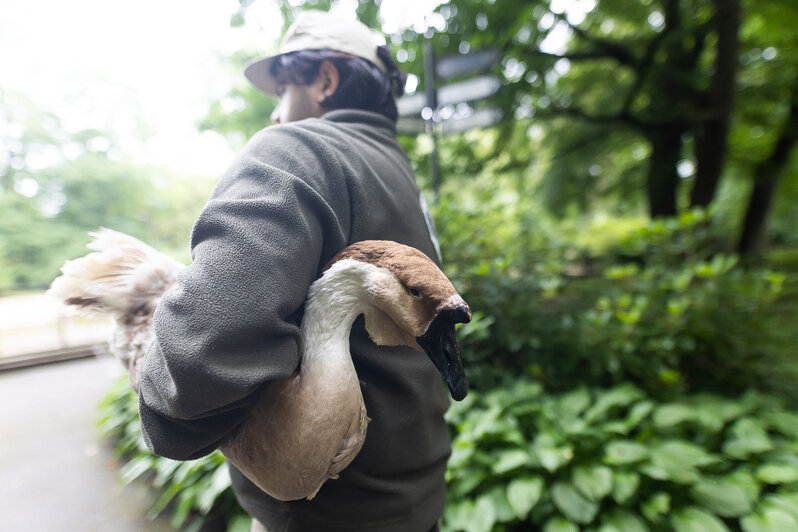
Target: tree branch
624, 117
574, 56
576, 112
767, 174
605, 47
644, 68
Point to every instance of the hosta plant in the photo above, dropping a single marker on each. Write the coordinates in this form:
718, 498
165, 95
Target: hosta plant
616, 460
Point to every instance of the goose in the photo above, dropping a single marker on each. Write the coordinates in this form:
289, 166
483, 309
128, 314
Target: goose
304, 430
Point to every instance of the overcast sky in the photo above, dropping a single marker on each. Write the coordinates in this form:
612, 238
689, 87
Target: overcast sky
116, 64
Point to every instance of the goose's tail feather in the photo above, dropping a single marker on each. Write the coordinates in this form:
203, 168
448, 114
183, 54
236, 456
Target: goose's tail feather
121, 276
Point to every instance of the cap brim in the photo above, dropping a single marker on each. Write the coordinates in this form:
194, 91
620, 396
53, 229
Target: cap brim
257, 72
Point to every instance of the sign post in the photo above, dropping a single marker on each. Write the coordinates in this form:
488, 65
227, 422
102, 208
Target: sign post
432, 105
429, 103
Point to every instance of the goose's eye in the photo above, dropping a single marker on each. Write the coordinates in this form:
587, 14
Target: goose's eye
415, 294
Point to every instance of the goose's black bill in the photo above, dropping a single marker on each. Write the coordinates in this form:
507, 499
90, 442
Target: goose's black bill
440, 344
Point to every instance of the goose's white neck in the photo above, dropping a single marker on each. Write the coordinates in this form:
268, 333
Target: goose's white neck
334, 302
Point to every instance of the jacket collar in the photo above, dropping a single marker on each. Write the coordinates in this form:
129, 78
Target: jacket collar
357, 116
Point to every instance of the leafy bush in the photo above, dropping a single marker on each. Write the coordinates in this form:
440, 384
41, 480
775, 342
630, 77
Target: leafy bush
605, 459
193, 491
618, 460
659, 307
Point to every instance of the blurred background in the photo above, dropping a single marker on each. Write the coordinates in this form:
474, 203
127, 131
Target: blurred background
614, 186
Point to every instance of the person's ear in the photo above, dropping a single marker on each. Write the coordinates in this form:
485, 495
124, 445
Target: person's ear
327, 80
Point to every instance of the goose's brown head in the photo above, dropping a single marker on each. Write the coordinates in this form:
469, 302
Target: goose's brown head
413, 303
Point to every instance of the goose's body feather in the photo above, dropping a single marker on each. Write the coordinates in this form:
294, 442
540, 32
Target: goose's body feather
308, 428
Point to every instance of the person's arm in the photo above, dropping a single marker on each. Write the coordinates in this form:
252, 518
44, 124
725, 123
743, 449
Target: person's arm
227, 328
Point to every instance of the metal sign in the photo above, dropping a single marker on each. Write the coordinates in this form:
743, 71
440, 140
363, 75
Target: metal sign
480, 118
462, 91
411, 105
469, 90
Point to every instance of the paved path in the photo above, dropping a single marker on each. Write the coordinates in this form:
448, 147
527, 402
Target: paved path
35, 322
55, 474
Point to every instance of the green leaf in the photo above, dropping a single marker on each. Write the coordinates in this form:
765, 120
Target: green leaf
774, 473
743, 478
456, 514
769, 520
185, 501
619, 452
523, 494
624, 485
748, 438
722, 497
484, 516
622, 521
696, 520
509, 460
593, 481
677, 461
637, 414
616, 397
786, 423
504, 511
786, 502
164, 499
552, 458
713, 412
575, 402
471, 516
559, 524
164, 469
210, 491
668, 415
136, 467
240, 523
467, 481
657, 505
462, 453
572, 504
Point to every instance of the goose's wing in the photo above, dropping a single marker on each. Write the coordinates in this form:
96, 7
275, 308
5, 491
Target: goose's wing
349, 448
350, 445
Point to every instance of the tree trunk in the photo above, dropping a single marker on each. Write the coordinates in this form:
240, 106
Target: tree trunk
712, 136
767, 174
663, 180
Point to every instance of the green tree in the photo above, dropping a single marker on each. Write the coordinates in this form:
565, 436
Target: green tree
614, 104
658, 75
58, 186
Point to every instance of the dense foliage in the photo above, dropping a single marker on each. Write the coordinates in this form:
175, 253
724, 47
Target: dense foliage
195, 491
618, 460
608, 459
613, 300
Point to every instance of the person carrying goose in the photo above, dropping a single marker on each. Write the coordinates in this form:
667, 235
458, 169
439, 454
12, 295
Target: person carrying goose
328, 174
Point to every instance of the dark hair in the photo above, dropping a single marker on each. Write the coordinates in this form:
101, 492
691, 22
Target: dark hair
361, 84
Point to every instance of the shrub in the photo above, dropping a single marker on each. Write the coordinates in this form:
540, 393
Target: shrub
193, 491
618, 460
660, 307
604, 459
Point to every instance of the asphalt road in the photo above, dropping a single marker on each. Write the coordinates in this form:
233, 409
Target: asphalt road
55, 473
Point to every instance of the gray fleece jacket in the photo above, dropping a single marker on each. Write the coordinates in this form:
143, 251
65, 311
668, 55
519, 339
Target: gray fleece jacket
296, 195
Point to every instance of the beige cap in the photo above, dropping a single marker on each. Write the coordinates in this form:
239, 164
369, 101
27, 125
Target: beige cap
317, 30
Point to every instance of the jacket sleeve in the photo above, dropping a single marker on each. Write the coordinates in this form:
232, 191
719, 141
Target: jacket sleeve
231, 323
